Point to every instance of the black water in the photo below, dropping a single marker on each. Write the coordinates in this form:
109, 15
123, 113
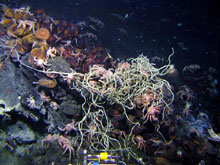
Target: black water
191, 27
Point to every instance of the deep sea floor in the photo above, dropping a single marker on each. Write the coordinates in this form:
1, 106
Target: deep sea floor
184, 133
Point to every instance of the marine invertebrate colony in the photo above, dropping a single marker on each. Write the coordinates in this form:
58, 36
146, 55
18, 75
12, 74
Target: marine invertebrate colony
135, 86
63, 142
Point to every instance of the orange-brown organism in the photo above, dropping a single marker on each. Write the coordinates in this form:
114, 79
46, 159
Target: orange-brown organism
48, 83
42, 34
8, 12
28, 39
7, 22
37, 54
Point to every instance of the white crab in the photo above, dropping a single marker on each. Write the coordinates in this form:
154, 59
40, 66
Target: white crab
191, 68
186, 94
51, 52
40, 62
23, 10
69, 78
68, 127
25, 23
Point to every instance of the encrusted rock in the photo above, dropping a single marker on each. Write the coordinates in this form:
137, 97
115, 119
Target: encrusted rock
59, 64
13, 84
31, 95
21, 133
70, 108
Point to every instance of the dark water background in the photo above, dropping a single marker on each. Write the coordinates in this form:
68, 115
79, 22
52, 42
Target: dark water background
191, 27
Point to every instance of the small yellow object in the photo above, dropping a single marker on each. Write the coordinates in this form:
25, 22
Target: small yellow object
103, 155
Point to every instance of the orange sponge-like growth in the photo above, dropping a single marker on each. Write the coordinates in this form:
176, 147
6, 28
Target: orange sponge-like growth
37, 53
42, 34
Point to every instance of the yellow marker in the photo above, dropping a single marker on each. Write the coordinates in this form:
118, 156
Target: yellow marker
103, 156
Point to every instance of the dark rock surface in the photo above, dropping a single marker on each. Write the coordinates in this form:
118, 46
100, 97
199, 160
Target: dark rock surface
13, 84
70, 108
21, 133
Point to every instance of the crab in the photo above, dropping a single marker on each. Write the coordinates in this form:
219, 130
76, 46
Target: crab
49, 138
44, 97
51, 52
69, 78
62, 141
123, 66
191, 68
50, 73
40, 62
67, 43
101, 72
96, 21
145, 73
151, 113
185, 94
24, 10
92, 129
141, 142
92, 85
61, 50
145, 99
66, 145
25, 23
118, 133
69, 127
